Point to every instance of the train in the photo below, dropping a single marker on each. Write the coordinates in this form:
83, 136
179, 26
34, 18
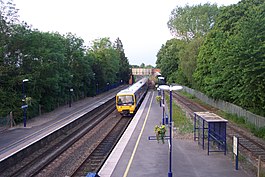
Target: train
128, 100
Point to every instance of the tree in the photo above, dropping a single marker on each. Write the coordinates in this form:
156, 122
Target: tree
80, 75
231, 63
8, 16
53, 63
142, 65
124, 67
188, 61
106, 61
149, 66
168, 57
9, 55
192, 21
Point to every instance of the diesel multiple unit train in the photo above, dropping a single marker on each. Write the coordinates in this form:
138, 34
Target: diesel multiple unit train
128, 100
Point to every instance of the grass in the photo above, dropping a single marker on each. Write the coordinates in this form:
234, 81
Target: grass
187, 95
181, 122
240, 121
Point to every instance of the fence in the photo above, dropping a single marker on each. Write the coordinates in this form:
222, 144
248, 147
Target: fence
257, 120
7, 122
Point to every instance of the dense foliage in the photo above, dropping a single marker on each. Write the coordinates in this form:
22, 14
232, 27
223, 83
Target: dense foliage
53, 64
192, 21
226, 61
168, 58
231, 62
177, 59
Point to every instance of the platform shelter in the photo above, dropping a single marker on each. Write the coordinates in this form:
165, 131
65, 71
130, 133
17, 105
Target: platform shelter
211, 127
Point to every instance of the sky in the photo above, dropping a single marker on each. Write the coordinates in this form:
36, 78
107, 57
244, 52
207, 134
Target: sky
141, 25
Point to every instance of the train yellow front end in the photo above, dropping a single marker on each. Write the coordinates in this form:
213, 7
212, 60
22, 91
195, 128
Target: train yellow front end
128, 100
126, 103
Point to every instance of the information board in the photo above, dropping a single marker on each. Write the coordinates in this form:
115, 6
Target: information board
235, 144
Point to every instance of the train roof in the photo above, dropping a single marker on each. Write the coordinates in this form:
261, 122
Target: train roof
132, 89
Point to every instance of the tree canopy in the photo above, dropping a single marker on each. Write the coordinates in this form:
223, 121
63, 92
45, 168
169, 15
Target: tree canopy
53, 63
231, 62
192, 21
168, 58
222, 52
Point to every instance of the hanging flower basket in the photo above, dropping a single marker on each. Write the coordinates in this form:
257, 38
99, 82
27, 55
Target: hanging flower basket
28, 100
158, 99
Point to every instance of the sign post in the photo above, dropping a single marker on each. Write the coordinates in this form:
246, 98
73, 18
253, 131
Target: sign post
24, 106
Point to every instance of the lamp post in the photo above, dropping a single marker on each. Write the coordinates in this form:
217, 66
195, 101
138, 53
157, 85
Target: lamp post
163, 98
97, 89
94, 83
107, 86
170, 88
70, 99
163, 105
24, 106
71, 90
159, 94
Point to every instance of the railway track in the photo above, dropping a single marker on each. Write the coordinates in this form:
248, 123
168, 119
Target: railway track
39, 160
96, 159
247, 142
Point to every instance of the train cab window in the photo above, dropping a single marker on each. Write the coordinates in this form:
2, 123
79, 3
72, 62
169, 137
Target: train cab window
125, 100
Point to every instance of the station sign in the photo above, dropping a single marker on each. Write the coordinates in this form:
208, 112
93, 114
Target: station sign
24, 106
235, 144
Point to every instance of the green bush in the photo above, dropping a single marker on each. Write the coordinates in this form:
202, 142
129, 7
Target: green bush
181, 122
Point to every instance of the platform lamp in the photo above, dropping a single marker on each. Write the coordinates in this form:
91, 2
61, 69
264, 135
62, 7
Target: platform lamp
159, 94
97, 88
24, 106
108, 86
163, 101
94, 83
71, 90
170, 89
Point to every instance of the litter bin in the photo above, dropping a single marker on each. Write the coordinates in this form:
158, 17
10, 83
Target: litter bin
166, 119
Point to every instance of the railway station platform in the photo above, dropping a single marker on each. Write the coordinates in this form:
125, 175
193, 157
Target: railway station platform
136, 156
19, 137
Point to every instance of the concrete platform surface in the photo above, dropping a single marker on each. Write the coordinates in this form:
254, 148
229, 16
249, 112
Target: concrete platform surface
136, 156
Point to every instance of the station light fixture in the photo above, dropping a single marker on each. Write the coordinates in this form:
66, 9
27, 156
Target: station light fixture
170, 89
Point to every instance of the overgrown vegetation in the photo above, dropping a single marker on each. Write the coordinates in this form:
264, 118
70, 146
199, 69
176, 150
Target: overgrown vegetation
53, 64
219, 51
186, 94
240, 121
181, 122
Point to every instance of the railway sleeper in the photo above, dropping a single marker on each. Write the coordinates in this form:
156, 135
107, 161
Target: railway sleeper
98, 160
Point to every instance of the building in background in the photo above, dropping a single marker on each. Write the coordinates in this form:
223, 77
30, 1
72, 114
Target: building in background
144, 71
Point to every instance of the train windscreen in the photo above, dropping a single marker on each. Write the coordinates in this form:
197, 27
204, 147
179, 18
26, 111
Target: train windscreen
125, 100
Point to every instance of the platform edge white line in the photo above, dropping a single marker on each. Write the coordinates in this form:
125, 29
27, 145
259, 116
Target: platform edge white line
110, 164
